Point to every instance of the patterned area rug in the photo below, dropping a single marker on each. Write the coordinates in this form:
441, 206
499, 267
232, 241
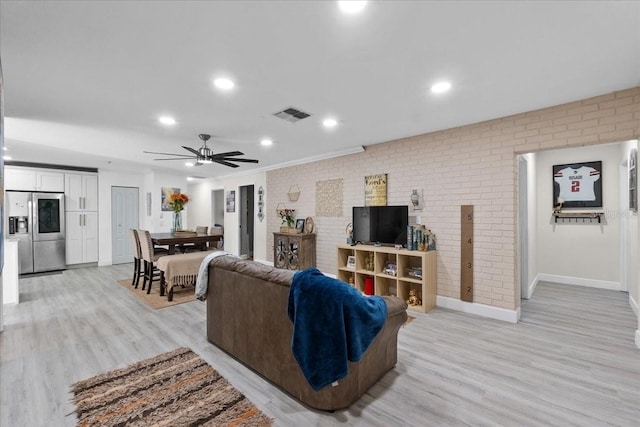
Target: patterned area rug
154, 300
177, 388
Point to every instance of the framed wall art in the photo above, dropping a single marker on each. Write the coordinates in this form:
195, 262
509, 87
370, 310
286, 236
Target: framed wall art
578, 185
166, 197
633, 180
231, 201
375, 190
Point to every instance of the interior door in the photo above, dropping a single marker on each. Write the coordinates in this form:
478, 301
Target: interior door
124, 215
246, 221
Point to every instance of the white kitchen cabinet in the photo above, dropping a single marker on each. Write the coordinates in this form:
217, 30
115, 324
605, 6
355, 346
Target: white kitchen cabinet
27, 179
81, 191
82, 237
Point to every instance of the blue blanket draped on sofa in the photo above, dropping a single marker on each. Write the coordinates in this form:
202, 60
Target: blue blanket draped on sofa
332, 323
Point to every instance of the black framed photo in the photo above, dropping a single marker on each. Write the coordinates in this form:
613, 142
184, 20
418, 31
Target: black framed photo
578, 185
300, 224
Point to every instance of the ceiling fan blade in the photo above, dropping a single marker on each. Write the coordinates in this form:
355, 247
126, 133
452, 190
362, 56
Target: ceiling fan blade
222, 162
228, 154
241, 160
178, 158
166, 154
191, 149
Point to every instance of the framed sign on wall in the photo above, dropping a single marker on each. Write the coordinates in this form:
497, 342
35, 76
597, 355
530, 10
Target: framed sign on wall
578, 185
375, 190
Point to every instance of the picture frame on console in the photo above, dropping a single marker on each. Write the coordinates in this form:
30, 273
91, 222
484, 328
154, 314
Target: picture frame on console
300, 224
351, 262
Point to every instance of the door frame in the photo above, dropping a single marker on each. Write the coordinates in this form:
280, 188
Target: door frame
246, 220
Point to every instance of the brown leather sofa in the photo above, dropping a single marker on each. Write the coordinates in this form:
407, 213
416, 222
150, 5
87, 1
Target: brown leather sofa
247, 318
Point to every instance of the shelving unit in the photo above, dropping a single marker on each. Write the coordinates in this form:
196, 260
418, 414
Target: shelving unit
388, 284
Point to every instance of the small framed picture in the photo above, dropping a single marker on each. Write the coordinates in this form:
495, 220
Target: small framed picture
351, 262
300, 224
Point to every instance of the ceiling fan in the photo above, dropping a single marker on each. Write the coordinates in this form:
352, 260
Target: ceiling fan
205, 155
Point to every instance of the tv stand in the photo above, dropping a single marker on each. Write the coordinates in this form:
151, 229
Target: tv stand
385, 282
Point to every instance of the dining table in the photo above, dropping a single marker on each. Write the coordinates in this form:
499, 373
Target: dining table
173, 240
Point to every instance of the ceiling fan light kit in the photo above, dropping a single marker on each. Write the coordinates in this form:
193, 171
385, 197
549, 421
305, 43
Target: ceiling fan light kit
204, 155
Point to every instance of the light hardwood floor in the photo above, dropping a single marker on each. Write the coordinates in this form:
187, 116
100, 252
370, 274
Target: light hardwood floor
571, 360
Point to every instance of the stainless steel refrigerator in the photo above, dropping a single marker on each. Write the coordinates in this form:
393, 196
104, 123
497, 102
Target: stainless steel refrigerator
37, 220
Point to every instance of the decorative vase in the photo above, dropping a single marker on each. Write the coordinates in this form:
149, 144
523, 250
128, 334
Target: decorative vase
177, 220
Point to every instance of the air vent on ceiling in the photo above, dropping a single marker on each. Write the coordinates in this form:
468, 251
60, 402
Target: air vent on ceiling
292, 114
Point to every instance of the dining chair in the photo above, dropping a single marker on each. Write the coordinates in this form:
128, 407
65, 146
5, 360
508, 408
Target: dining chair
149, 256
217, 229
192, 247
137, 257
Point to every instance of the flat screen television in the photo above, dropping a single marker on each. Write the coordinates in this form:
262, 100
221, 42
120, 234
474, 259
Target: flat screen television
380, 224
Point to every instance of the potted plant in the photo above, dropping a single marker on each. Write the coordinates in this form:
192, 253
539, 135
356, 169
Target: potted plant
288, 217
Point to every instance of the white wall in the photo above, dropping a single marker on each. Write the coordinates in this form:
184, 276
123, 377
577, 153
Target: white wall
163, 221
200, 212
587, 253
147, 182
631, 271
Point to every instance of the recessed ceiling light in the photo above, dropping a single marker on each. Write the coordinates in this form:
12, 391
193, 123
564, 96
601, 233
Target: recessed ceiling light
351, 6
224, 83
189, 164
166, 120
440, 87
190, 178
5, 157
266, 142
5, 148
329, 123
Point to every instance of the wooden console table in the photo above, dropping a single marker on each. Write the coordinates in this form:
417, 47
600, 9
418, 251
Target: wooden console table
294, 251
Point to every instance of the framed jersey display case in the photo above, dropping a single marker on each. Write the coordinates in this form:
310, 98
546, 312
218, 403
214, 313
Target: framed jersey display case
578, 185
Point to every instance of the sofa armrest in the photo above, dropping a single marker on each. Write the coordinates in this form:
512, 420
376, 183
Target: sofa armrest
395, 306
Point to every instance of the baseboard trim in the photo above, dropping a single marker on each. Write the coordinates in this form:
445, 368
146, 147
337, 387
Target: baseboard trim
511, 316
579, 281
532, 287
634, 305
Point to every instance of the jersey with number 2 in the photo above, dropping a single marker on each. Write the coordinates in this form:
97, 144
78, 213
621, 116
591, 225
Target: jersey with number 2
577, 184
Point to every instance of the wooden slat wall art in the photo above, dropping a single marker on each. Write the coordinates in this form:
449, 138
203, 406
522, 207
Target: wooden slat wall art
466, 255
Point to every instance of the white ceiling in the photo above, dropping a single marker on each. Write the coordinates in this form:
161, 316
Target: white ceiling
85, 81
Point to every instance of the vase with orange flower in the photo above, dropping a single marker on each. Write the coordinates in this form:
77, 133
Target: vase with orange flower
177, 202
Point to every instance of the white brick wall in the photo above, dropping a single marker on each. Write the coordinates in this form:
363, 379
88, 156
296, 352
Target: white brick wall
473, 164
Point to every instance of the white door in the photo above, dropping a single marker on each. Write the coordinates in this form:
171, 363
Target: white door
124, 215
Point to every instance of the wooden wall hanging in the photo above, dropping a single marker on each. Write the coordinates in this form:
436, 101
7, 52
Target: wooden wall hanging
466, 255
